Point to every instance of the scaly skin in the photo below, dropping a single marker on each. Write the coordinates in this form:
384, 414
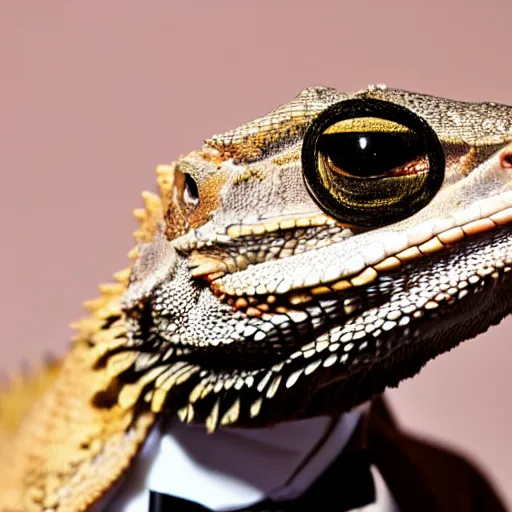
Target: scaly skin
250, 304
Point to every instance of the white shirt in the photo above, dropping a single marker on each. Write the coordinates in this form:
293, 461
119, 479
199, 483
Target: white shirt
236, 468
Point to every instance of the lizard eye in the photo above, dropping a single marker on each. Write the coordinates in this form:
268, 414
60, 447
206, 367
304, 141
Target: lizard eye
370, 163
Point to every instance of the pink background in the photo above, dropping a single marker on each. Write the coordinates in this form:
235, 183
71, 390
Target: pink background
95, 94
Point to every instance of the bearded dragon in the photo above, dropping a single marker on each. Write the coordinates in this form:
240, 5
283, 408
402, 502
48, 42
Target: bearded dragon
295, 266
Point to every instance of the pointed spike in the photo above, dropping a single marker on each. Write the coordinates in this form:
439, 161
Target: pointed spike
93, 305
140, 214
171, 375
311, 367
158, 401
119, 363
151, 200
232, 414
130, 393
111, 288
182, 414
134, 253
184, 376
213, 418
204, 265
76, 325
272, 389
195, 394
293, 378
165, 182
123, 276
190, 413
256, 407
263, 382
208, 388
164, 376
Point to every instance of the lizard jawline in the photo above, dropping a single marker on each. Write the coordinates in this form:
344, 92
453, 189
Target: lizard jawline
408, 317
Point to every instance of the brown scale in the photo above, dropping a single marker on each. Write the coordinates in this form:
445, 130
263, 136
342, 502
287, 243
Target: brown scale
249, 141
255, 306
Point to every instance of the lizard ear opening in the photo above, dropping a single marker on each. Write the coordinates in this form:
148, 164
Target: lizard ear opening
370, 163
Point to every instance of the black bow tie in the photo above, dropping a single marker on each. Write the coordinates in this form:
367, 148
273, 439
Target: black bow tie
346, 484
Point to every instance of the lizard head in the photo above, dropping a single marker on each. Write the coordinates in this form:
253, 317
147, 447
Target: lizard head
315, 256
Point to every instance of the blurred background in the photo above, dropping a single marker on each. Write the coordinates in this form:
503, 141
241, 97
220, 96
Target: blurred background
95, 94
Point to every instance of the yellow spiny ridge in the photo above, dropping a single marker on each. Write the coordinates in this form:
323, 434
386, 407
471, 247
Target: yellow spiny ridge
149, 218
59, 450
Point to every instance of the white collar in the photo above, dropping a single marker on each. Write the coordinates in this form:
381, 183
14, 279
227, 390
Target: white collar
233, 468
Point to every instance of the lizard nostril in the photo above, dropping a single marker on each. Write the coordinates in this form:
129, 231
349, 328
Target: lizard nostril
506, 160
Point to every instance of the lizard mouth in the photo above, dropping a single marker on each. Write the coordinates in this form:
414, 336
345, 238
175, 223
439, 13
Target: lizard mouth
320, 343
356, 267
290, 296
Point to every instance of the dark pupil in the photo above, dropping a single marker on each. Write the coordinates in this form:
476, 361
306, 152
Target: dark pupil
192, 187
370, 153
